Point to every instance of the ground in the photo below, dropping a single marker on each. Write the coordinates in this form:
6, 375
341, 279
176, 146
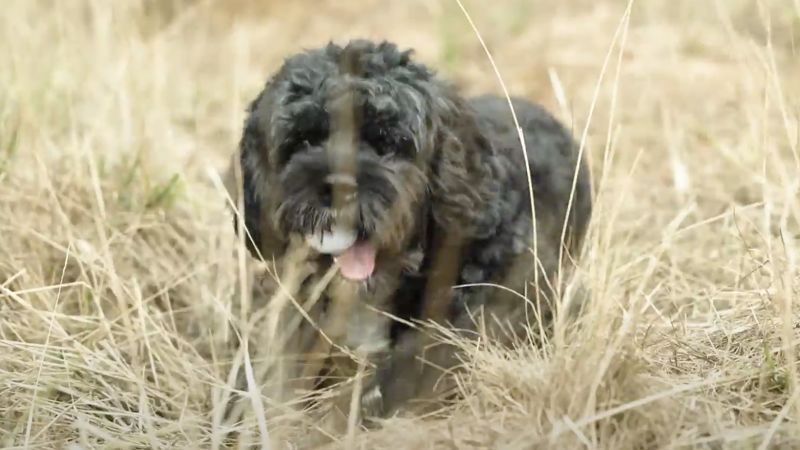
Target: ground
120, 274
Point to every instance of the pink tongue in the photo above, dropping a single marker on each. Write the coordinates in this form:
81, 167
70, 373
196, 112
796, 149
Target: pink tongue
358, 261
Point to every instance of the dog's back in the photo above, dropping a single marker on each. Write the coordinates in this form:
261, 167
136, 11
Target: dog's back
553, 159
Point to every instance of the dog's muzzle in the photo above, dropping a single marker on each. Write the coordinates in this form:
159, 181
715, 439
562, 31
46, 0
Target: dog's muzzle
355, 257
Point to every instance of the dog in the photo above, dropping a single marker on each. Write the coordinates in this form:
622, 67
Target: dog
418, 199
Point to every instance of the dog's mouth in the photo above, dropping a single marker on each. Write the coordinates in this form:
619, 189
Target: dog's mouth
355, 255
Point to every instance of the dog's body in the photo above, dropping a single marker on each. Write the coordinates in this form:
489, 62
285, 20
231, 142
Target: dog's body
431, 191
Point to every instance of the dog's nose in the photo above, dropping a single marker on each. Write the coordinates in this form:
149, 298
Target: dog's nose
338, 189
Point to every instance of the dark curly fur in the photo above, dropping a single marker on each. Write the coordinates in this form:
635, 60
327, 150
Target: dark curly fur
440, 188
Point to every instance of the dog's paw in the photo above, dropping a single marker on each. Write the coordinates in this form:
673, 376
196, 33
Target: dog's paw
372, 404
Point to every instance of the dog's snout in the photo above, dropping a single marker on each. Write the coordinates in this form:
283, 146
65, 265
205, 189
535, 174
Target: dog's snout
342, 179
338, 188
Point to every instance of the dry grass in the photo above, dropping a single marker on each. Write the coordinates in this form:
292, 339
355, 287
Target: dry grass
119, 309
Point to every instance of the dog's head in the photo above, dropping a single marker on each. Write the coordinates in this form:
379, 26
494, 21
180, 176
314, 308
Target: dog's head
351, 148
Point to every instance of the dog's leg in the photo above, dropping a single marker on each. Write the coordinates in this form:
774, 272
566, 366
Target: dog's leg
418, 370
414, 364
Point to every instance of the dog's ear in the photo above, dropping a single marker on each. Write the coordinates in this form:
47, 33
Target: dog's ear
261, 239
464, 176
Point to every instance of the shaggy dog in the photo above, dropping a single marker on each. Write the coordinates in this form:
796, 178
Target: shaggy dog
418, 197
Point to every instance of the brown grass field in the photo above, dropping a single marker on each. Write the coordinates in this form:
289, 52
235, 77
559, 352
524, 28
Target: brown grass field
120, 272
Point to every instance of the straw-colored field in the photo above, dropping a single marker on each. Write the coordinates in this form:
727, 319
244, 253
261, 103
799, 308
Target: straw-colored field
119, 270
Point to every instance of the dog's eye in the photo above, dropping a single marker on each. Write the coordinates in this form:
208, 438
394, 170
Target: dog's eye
406, 145
388, 142
401, 145
312, 138
299, 142
305, 136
